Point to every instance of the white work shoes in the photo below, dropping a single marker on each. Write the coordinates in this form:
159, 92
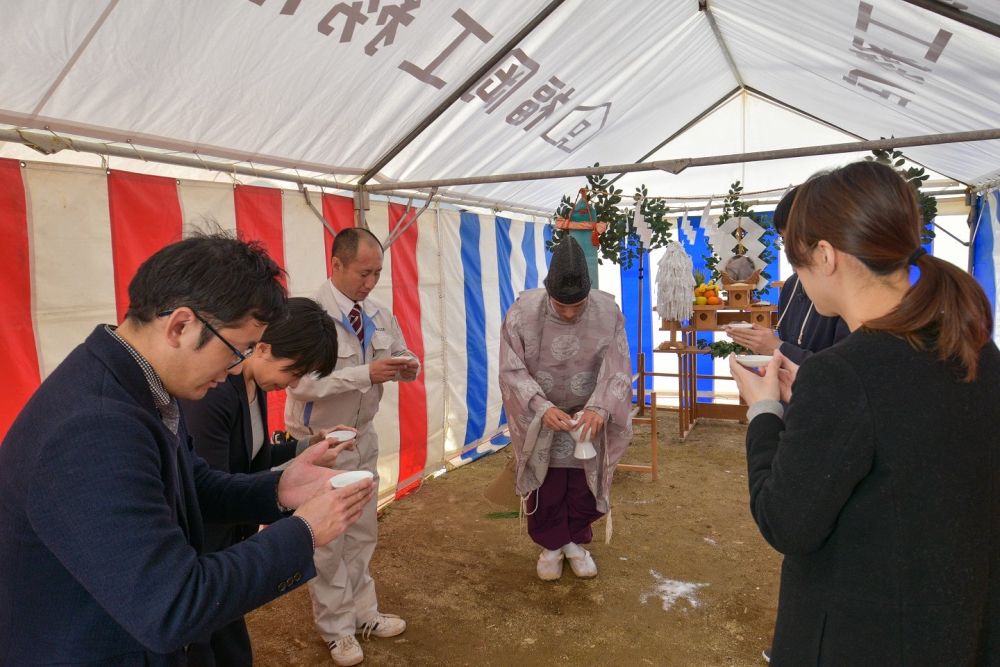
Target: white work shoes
383, 625
346, 651
550, 564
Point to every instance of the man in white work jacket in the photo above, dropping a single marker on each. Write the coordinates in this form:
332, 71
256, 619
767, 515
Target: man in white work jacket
371, 351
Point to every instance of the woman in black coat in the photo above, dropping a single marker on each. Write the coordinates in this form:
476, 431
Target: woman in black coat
229, 429
880, 480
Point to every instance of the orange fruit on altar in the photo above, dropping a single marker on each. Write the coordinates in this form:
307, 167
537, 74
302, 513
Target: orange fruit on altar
710, 294
713, 301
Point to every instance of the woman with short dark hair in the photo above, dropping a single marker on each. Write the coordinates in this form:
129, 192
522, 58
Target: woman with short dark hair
879, 480
230, 431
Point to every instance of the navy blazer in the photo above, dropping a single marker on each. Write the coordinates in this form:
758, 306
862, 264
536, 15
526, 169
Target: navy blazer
102, 524
220, 429
801, 322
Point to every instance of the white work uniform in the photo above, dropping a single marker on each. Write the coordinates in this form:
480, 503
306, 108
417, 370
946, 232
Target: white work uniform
343, 593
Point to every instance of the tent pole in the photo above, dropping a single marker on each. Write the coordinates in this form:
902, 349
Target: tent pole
687, 126
639, 352
703, 7
48, 144
459, 91
955, 14
678, 165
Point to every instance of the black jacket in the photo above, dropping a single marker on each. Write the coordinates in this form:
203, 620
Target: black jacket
219, 425
880, 486
801, 329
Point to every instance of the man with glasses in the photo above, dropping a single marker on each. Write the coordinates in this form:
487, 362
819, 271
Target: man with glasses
238, 356
103, 498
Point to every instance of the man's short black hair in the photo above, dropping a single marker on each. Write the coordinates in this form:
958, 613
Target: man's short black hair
221, 278
345, 243
781, 211
307, 336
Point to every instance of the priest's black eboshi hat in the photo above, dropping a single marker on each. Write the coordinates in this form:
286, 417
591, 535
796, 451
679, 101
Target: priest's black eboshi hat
568, 280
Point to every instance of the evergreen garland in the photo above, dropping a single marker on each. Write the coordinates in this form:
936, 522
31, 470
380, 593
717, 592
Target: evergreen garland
915, 176
619, 243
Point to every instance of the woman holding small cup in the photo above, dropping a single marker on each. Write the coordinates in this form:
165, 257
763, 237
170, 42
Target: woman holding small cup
879, 480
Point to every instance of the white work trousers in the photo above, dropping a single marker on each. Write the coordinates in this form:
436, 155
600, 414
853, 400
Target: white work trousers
343, 592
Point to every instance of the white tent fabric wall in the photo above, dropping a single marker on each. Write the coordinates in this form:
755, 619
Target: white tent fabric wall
745, 123
484, 269
72, 279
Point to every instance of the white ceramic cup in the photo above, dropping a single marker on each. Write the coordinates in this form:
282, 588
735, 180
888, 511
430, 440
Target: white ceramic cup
584, 448
753, 360
341, 436
348, 478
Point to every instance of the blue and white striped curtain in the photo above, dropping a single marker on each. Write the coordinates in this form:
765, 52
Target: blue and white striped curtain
985, 249
500, 258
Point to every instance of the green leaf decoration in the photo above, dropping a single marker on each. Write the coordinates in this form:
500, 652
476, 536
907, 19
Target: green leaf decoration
723, 348
915, 176
605, 207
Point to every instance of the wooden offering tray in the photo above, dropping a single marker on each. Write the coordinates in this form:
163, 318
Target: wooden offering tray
764, 314
715, 318
738, 295
705, 318
675, 342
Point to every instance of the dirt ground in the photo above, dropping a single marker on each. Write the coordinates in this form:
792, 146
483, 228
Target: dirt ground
685, 580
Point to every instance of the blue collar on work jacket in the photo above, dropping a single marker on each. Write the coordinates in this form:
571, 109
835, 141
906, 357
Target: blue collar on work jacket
368, 312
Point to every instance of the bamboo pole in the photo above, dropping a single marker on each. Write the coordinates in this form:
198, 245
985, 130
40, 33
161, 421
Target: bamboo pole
678, 165
49, 144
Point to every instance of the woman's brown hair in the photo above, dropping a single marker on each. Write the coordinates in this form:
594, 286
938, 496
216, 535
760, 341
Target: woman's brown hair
867, 210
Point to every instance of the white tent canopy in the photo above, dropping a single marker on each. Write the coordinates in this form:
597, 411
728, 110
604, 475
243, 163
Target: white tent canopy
384, 92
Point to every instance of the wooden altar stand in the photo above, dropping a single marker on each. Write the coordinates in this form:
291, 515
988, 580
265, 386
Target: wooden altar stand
642, 416
682, 342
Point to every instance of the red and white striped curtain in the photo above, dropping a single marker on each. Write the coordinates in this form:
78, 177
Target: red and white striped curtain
73, 238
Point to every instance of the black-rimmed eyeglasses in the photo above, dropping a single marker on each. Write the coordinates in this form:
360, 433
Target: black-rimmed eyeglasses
239, 357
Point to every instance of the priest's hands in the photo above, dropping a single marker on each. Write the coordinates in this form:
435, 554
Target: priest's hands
592, 424
557, 420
